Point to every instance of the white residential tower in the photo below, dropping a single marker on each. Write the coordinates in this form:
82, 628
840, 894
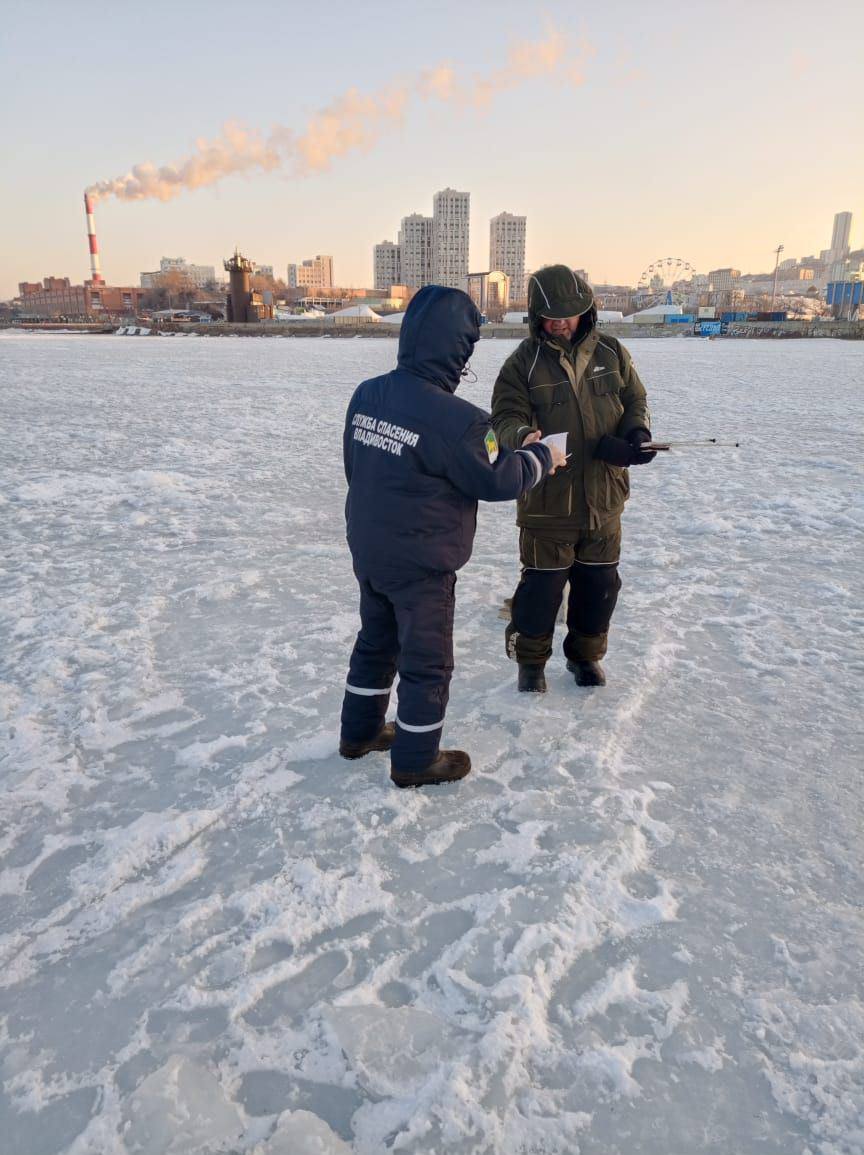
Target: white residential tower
507, 250
450, 237
415, 250
387, 265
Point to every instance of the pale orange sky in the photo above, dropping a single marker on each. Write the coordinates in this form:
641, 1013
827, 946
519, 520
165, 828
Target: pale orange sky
710, 132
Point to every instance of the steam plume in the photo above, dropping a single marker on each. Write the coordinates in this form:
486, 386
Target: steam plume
352, 123
236, 150
524, 62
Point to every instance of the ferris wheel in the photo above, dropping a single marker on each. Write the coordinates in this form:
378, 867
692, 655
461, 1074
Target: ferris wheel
663, 278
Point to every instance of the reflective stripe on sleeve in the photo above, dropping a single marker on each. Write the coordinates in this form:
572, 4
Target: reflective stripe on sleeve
418, 729
365, 691
536, 462
536, 355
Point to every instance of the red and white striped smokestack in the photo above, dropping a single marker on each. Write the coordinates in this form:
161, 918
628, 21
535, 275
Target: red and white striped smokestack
95, 268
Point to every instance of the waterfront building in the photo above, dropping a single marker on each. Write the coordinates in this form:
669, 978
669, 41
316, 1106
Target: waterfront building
316, 273
613, 298
507, 250
723, 280
387, 265
490, 292
245, 305
415, 250
200, 275
58, 297
450, 237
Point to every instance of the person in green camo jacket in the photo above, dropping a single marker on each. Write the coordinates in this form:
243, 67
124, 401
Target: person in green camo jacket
567, 378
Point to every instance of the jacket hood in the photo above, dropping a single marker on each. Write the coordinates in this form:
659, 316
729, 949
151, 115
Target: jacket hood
439, 331
555, 291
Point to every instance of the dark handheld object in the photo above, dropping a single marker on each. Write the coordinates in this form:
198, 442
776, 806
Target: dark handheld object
625, 452
639, 438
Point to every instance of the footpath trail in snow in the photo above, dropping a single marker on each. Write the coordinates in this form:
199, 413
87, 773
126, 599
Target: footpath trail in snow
636, 927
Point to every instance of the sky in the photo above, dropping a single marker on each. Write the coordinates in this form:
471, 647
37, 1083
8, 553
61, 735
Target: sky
625, 132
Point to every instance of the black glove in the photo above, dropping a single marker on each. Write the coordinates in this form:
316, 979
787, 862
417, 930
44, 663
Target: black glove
637, 438
615, 451
624, 452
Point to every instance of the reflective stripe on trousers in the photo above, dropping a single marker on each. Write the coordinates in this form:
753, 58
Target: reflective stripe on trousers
408, 627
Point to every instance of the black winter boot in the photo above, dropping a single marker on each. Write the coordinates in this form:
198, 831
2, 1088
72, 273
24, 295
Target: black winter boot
532, 679
587, 673
449, 766
382, 741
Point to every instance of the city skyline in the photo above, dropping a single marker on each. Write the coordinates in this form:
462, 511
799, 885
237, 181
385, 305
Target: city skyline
423, 240
666, 156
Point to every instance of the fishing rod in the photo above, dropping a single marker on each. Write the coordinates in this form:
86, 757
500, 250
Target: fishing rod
705, 443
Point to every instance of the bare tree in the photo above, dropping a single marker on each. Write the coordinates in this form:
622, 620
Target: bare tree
171, 290
262, 284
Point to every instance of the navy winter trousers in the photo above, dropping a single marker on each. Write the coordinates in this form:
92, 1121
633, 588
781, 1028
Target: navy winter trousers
406, 628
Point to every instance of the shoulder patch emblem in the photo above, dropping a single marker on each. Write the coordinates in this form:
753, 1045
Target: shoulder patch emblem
491, 443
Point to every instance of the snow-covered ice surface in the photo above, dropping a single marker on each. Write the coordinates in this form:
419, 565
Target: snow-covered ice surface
636, 927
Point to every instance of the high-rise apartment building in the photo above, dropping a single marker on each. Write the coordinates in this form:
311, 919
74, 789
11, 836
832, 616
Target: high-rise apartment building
415, 250
507, 251
387, 265
450, 237
316, 273
840, 236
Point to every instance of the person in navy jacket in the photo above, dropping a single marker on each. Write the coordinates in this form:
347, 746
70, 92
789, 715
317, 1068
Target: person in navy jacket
417, 460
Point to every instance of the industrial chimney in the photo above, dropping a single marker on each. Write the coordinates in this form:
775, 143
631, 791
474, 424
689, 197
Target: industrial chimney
96, 277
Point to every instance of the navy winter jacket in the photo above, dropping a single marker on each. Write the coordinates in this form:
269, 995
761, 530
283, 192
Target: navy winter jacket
417, 458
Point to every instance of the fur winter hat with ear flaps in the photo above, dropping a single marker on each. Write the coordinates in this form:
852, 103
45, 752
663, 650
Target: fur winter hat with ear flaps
555, 292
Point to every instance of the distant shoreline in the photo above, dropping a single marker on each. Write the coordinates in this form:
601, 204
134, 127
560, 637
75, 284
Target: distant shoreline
765, 330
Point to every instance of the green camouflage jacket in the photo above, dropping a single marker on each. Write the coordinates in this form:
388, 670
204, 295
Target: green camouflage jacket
586, 389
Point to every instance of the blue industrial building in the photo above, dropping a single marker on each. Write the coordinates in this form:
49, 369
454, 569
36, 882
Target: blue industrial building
844, 297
